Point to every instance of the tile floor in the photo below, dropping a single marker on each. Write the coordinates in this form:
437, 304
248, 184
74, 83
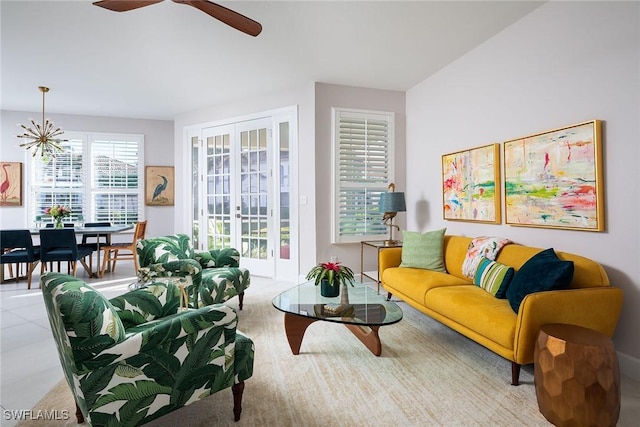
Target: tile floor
29, 364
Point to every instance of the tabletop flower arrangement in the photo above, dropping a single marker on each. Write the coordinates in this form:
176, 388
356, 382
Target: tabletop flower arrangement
57, 213
330, 275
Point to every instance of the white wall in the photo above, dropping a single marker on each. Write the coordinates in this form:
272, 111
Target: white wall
565, 63
328, 96
158, 139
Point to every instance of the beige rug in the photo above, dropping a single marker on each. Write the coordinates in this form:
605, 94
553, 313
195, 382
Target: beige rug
427, 375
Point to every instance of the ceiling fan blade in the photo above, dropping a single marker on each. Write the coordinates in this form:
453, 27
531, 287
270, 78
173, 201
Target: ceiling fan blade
228, 16
124, 5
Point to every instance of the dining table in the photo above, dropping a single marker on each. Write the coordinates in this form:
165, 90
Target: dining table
99, 232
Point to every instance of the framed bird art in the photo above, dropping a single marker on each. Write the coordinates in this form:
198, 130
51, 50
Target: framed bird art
11, 184
159, 186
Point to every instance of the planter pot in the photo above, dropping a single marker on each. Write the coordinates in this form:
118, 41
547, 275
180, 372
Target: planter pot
329, 290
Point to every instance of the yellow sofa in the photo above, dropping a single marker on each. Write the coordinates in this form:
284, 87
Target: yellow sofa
453, 299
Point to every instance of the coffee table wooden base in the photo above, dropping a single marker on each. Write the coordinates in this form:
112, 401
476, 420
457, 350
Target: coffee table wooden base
295, 327
368, 335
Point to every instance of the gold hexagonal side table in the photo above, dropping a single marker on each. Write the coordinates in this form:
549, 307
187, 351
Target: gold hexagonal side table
577, 377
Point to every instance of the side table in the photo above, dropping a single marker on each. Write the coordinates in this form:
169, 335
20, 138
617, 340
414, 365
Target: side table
379, 245
577, 376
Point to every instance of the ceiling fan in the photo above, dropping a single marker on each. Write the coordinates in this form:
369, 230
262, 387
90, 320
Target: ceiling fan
221, 13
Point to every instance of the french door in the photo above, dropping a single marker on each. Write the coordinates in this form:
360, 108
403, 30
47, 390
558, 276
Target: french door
241, 175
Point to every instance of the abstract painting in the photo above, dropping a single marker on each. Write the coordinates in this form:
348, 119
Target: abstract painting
554, 179
11, 184
469, 185
159, 186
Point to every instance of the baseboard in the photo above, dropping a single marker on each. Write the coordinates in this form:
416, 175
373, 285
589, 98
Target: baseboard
629, 366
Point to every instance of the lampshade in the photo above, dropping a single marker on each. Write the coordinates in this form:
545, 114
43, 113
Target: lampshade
392, 201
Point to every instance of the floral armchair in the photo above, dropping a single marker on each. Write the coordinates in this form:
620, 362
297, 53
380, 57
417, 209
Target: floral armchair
216, 275
137, 357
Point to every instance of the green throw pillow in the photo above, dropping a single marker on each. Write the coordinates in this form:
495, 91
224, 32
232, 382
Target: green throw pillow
542, 272
423, 250
493, 277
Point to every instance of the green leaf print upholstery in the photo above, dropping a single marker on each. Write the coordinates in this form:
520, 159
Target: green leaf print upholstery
220, 279
136, 357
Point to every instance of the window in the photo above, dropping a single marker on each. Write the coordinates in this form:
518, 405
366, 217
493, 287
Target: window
363, 167
96, 175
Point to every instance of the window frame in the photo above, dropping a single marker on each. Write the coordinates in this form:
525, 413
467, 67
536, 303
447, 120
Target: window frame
87, 189
374, 229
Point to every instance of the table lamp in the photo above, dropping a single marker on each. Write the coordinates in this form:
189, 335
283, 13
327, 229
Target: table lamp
391, 203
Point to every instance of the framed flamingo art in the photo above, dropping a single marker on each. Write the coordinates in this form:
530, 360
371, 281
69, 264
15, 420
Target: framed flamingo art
11, 184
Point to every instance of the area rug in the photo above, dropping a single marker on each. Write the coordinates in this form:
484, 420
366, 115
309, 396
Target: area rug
427, 375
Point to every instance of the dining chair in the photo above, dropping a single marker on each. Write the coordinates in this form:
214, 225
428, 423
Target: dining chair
16, 247
97, 244
112, 253
96, 241
59, 244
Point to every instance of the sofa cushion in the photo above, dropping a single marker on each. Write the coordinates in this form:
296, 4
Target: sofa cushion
542, 272
423, 250
414, 283
493, 277
474, 309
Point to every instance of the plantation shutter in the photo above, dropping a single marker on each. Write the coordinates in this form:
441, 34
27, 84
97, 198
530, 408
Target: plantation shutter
97, 175
115, 179
59, 180
363, 147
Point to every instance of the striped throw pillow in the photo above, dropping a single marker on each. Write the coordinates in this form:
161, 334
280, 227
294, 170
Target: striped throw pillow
493, 277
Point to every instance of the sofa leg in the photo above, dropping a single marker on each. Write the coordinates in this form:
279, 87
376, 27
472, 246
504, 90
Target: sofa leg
240, 299
389, 296
79, 415
237, 390
515, 373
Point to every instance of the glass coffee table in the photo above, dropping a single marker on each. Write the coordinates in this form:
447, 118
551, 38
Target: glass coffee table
361, 309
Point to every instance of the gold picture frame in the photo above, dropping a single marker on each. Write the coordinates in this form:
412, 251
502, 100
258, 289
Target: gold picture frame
470, 185
554, 179
11, 184
159, 183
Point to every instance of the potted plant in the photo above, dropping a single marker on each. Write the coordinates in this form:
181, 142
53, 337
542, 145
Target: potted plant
330, 276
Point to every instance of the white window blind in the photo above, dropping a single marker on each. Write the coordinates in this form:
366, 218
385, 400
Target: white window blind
115, 183
98, 175
59, 181
363, 159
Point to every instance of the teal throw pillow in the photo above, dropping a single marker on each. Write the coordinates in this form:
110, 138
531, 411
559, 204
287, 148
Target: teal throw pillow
493, 277
423, 250
542, 272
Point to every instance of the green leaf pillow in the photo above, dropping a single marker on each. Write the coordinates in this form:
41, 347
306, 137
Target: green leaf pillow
424, 250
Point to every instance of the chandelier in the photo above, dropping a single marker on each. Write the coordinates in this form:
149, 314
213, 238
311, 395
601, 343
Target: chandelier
42, 137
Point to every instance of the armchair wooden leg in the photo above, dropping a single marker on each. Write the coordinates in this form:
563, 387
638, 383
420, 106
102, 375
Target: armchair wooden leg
237, 390
240, 299
79, 415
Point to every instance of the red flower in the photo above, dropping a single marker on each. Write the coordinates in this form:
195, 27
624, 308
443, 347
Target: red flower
335, 266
